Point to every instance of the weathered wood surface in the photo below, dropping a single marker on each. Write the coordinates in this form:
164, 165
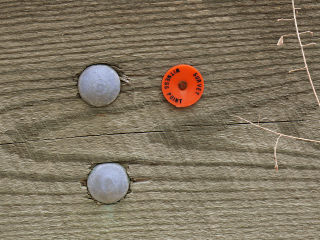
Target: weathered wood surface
199, 173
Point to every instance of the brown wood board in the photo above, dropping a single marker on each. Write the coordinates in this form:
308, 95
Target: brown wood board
197, 172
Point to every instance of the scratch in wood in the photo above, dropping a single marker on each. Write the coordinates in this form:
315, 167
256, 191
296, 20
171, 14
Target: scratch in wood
140, 180
92, 135
269, 122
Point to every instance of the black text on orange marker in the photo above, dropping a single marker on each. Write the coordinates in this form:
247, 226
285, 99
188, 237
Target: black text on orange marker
182, 85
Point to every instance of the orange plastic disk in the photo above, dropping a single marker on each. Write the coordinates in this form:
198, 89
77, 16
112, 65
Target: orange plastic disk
182, 85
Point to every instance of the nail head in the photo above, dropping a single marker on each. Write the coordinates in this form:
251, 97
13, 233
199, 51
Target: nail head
99, 85
108, 182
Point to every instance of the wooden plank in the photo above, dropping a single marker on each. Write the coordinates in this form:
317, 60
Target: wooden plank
197, 173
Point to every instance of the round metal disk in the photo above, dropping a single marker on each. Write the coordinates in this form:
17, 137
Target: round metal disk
108, 182
99, 85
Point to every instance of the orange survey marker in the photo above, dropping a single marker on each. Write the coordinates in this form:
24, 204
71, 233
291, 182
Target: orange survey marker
182, 85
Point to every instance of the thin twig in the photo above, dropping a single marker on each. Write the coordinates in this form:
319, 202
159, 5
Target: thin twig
309, 44
297, 69
277, 133
305, 32
302, 52
280, 42
284, 19
281, 39
277, 141
301, 33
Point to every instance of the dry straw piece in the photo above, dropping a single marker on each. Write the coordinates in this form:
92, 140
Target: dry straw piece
306, 68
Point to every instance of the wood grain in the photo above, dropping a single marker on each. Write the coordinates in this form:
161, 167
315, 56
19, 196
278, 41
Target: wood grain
198, 172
